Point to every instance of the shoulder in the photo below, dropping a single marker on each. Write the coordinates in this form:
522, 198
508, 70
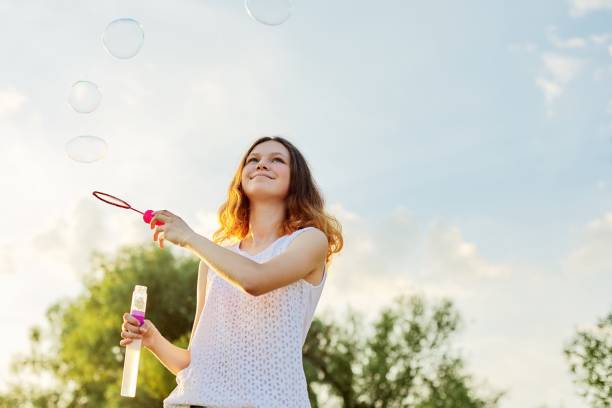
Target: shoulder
311, 237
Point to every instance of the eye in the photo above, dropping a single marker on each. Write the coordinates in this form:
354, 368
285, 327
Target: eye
280, 160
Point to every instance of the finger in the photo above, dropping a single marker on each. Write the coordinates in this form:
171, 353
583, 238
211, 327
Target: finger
125, 342
159, 219
131, 327
159, 235
128, 318
157, 231
129, 335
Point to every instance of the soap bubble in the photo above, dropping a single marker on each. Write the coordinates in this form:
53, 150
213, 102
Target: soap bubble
86, 149
123, 38
84, 96
270, 12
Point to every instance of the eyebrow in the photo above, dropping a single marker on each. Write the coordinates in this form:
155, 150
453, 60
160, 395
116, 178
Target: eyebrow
271, 154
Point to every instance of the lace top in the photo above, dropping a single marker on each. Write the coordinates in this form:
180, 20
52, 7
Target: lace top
246, 350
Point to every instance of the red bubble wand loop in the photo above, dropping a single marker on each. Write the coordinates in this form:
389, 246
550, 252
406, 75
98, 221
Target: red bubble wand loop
109, 199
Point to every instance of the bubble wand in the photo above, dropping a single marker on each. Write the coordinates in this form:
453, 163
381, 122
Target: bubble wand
109, 199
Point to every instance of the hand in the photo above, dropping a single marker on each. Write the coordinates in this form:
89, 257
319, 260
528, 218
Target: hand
174, 229
130, 330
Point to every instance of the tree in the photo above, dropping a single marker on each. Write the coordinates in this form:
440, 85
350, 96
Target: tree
80, 350
589, 355
406, 362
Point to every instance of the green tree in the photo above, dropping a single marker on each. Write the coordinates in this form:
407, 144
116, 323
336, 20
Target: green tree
80, 349
589, 355
405, 362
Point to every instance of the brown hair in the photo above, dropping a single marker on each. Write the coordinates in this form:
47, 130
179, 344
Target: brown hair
305, 205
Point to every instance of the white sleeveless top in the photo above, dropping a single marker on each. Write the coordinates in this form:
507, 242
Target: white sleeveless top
247, 350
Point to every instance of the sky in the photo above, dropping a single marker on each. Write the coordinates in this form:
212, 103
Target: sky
466, 148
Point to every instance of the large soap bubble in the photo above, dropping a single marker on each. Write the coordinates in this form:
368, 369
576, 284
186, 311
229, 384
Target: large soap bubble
86, 149
123, 38
84, 96
270, 12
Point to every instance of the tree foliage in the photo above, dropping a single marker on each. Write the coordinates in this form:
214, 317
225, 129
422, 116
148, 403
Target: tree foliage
589, 355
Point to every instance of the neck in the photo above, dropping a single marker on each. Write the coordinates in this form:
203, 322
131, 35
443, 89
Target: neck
265, 220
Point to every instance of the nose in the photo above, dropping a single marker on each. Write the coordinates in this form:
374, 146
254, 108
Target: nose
261, 164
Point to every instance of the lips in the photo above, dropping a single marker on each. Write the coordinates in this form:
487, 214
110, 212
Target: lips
262, 175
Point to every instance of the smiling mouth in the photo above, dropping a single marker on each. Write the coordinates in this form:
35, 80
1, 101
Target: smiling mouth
261, 175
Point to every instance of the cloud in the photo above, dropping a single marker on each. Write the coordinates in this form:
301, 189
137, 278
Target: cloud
582, 7
599, 39
450, 256
559, 71
558, 42
71, 239
395, 255
11, 101
592, 255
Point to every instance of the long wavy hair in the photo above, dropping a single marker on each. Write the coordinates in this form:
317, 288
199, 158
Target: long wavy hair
305, 204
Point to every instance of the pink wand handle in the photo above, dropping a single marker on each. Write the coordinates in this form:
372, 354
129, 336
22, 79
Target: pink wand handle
148, 216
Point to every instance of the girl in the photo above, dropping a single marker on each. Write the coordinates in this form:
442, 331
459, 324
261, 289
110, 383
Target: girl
257, 295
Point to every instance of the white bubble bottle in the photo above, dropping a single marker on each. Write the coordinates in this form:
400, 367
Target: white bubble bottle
132, 350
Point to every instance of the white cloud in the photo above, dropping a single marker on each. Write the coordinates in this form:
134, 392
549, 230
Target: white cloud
560, 70
551, 89
583, 7
11, 102
600, 38
71, 239
449, 255
558, 42
592, 255
395, 255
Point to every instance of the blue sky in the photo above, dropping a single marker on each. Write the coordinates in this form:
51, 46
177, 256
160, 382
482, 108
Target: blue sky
465, 146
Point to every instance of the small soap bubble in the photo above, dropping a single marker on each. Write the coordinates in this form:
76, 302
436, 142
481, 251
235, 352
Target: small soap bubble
123, 38
270, 12
86, 149
84, 97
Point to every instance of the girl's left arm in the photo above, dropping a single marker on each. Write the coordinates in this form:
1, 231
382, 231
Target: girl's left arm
306, 253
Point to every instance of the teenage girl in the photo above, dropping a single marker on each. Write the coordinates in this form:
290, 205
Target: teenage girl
257, 295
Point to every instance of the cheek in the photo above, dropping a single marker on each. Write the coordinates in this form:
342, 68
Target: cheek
246, 170
285, 174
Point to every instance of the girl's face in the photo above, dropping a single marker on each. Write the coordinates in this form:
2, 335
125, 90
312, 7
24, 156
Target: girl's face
266, 172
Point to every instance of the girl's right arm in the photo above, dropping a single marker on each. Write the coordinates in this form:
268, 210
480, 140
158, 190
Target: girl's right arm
172, 357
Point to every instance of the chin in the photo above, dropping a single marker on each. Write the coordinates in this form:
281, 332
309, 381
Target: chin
262, 193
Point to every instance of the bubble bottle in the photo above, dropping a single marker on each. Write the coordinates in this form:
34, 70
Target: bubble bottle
132, 350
